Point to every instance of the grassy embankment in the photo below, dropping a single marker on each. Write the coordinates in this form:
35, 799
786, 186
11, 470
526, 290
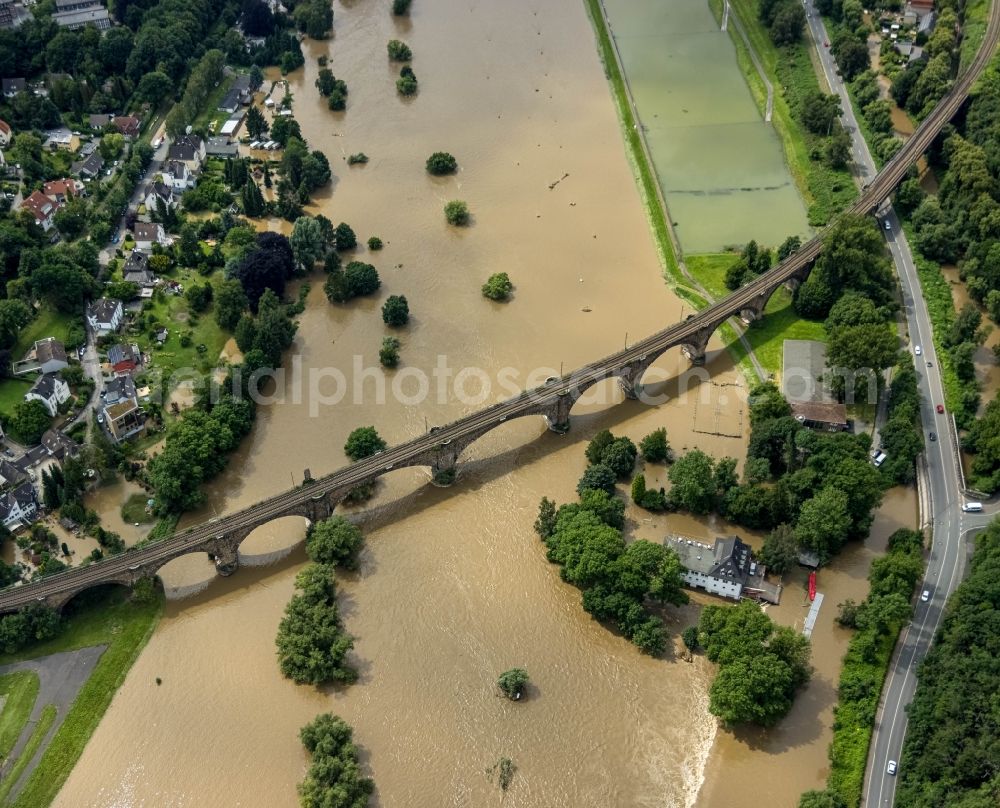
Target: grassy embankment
20, 689
973, 30
793, 75
124, 627
766, 335
45, 721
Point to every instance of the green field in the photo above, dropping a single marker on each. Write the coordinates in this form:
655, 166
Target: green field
20, 689
112, 620
47, 323
779, 323
45, 721
11, 394
134, 510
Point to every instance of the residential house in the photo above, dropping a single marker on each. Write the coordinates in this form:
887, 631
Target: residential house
89, 167
149, 233
99, 121
5, 134
828, 416
137, 271
58, 445
230, 101
104, 316
10, 474
221, 147
43, 209
61, 139
50, 390
176, 175
12, 87
188, 149
161, 336
158, 192
19, 506
61, 190
119, 389
728, 570
45, 356
128, 125
124, 358
124, 420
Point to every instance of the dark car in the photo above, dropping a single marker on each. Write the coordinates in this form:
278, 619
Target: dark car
932, 436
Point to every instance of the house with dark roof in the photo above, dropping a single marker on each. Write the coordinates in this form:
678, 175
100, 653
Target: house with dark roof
58, 445
12, 87
99, 121
230, 101
89, 167
188, 149
830, 416
104, 316
42, 208
728, 569
159, 193
177, 176
119, 389
221, 147
147, 234
127, 125
19, 507
50, 390
136, 269
10, 474
124, 358
74, 14
45, 356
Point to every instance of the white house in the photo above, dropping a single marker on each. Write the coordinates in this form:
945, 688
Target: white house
159, 192
104, 316
176, 175
50, 390
45, 356
147, 234
188, 149
19, 506
5, 134
728, 569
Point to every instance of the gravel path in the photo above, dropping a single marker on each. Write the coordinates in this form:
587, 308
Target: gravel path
60, 678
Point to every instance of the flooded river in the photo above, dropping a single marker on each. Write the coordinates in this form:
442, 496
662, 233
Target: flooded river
454, 586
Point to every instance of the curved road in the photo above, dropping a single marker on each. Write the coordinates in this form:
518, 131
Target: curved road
530, 402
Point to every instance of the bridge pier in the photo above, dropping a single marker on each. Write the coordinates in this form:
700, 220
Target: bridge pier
628, 379
320, 507
557, 417
227, 560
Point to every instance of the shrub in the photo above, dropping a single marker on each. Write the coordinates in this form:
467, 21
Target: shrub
396, 311
406, 84
335, 542
441, 163
388, 354
457, 213
374, 243
512, 682
401, 7
498, 286
360, 157
399, 51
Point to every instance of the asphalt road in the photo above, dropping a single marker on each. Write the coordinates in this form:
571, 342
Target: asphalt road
949, 524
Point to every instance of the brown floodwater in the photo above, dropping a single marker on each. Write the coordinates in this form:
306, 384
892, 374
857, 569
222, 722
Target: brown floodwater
454, 586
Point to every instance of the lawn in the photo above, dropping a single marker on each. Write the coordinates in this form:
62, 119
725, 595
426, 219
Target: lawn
112, 620
21, 690
134, 510
47, 323
11, 394
173, 312
791, 71
709, 269
45, 721
780, 322
974, 30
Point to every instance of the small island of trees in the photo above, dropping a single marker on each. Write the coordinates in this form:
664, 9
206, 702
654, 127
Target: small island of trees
457, 213
511, 683
498, 287
441, 163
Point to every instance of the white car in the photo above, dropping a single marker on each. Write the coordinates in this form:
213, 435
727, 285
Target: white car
917, 350
888, 225
891, 768
925, 595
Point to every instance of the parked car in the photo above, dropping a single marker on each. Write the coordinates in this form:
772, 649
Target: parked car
888, 225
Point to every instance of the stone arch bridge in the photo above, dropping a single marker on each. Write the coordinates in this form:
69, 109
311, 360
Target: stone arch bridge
441, 447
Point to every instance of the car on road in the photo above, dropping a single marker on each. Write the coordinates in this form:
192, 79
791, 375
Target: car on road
925, 595
940, 409
917, 350
932, 436
973, 507
100, 418
888, 225
826, 44
891, 768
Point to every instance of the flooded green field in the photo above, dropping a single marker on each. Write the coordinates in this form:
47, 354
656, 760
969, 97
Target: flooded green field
719, 164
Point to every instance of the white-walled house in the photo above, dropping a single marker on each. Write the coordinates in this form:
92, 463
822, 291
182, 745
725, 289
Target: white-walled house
19, 507
50, 390
104, 316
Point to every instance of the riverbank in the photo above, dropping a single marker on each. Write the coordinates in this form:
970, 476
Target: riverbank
108, 619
